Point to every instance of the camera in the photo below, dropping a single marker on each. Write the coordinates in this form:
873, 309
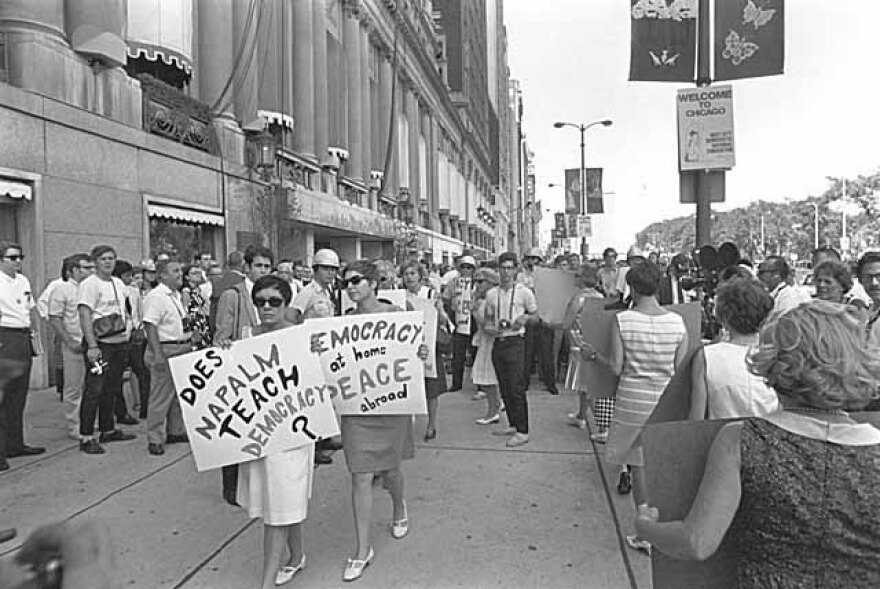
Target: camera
705, 276
504, 324
99, 366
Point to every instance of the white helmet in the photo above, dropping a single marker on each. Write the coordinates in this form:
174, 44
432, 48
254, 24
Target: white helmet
326, 257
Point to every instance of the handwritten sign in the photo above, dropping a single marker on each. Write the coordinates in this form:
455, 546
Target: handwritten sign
430, 313
553, 289
463, 304
260, 397
395, 296
372, 360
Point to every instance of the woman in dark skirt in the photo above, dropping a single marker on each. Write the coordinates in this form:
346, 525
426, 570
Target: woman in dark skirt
419, 295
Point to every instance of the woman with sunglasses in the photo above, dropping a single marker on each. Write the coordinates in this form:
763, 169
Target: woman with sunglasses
483, 371
418, 294
374, 445
277, 488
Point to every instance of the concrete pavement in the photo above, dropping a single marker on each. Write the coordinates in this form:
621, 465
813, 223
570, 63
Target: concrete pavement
482, 515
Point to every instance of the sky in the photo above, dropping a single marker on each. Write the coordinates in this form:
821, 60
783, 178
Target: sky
820, 118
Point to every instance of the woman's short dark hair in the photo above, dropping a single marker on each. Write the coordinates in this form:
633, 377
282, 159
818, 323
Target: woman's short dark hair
644, 279
122, 267
867, 258
837, 270
743, 304
609, 251
272, 281
365, 268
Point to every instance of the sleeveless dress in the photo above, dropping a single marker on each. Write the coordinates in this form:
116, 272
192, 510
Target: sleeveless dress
483, 370
809, 516
649, 346
575, 376
732, 390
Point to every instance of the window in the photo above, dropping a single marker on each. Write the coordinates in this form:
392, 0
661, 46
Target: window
8, 221
181, 233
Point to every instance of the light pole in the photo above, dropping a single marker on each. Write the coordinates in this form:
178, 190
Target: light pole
583, 174
815, 206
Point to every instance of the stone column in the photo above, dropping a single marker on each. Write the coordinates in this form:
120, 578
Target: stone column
244, 40
386, 117
415, 124
321, 92
351, 39
366, 101
304, 38
216, 54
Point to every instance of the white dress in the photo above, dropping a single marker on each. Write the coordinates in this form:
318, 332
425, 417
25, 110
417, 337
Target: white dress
277, 488
731, 389
483, 370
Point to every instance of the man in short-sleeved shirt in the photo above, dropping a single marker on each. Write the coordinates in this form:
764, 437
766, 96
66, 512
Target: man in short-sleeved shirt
17, 320
316, 298
64, 316
508, 308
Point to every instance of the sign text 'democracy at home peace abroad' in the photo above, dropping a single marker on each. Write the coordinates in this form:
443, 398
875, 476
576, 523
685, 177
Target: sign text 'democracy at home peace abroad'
372, 360
262, 396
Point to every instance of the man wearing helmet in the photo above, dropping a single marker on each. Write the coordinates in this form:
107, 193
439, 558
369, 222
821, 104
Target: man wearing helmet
317, 298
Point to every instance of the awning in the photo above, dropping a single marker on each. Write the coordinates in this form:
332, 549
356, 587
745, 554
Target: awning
15, 189
185, 215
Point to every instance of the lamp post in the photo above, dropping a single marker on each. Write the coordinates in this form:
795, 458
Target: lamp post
583, 175
815, 206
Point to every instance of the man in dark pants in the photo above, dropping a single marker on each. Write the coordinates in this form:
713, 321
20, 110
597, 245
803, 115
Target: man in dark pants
235, 318
508, 307
458, 300
538, 337
17, 320
102, 296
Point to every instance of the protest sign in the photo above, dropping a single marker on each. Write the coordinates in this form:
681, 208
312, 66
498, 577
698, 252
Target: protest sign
430, 313
553, 289
395, 296
260, 397
372, 360
463, 304
596, 324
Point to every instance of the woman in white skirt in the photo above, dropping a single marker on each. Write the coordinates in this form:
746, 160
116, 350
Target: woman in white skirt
483, 371
277, 488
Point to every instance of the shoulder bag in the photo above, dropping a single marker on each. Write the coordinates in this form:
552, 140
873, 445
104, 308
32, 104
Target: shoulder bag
112, 324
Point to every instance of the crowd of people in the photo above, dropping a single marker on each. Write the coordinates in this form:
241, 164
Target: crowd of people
788, 365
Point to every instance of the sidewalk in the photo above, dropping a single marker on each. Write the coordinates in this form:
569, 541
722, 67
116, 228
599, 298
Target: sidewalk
482, 515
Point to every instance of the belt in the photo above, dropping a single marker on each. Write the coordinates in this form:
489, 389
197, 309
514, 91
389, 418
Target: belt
505, 338
179, 342
16, 329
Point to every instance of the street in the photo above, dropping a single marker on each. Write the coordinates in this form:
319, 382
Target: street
481, 515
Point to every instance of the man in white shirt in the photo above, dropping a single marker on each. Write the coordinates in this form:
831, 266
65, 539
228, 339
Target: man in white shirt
64, 318
773, 273
508, 308
458, 299
316, 299
102, 297
168, 334
18, 319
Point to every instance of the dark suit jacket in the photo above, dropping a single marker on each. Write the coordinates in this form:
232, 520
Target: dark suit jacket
665, 295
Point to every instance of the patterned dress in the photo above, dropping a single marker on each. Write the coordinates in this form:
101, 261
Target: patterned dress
198, 318
649, 346
809, 515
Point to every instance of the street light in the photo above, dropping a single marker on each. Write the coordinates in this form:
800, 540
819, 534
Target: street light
583, 129
815, 206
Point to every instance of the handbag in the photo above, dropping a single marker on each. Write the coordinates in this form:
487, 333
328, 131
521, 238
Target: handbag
444, 339
112, 324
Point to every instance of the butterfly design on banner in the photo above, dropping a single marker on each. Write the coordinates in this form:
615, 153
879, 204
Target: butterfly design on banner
664, 34
659, 9
754, 42
737, 49
756, 15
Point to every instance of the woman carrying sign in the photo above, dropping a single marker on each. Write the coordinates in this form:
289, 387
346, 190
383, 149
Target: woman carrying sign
374, 445
277, 487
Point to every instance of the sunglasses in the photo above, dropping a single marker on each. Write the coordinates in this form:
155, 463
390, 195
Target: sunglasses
354, 281
274, 302
16, 258
480, 280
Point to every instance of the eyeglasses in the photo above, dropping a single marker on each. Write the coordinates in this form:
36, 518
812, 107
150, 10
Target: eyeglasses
274, 302
466, 267
87, 267
354, 281
261, 265
869, 278
15, 258
479, 280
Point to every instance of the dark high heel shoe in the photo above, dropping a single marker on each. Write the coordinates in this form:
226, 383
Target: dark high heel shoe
430, 434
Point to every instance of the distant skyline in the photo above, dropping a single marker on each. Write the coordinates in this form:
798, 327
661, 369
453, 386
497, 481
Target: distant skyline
821, 118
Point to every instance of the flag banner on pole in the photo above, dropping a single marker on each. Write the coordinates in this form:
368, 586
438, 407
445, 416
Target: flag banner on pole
594, 191
585, 226
572, 191
572, 226
663, 47
749, 38
559, 219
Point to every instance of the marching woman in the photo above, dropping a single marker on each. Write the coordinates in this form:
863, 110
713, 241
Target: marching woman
277, 488
417, 295
648, 346
483, 370
374, 445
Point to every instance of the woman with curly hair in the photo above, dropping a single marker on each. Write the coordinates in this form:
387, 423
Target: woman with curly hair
794, 492
721, 385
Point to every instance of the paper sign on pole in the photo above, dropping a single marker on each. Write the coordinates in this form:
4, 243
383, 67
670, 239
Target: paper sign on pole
260, 397
372, 360
705, 128
585, 226
553, 289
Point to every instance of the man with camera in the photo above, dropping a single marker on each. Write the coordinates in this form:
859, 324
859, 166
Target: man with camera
169, 334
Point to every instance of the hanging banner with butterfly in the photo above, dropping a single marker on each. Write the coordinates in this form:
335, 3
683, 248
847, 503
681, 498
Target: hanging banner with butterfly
594, 191
749, 38
663, 47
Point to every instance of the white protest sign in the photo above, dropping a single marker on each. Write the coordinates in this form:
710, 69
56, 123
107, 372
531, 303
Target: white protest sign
396, 297
553, 289
705, 128
430, 314
372, 360
463, 304
262, 396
